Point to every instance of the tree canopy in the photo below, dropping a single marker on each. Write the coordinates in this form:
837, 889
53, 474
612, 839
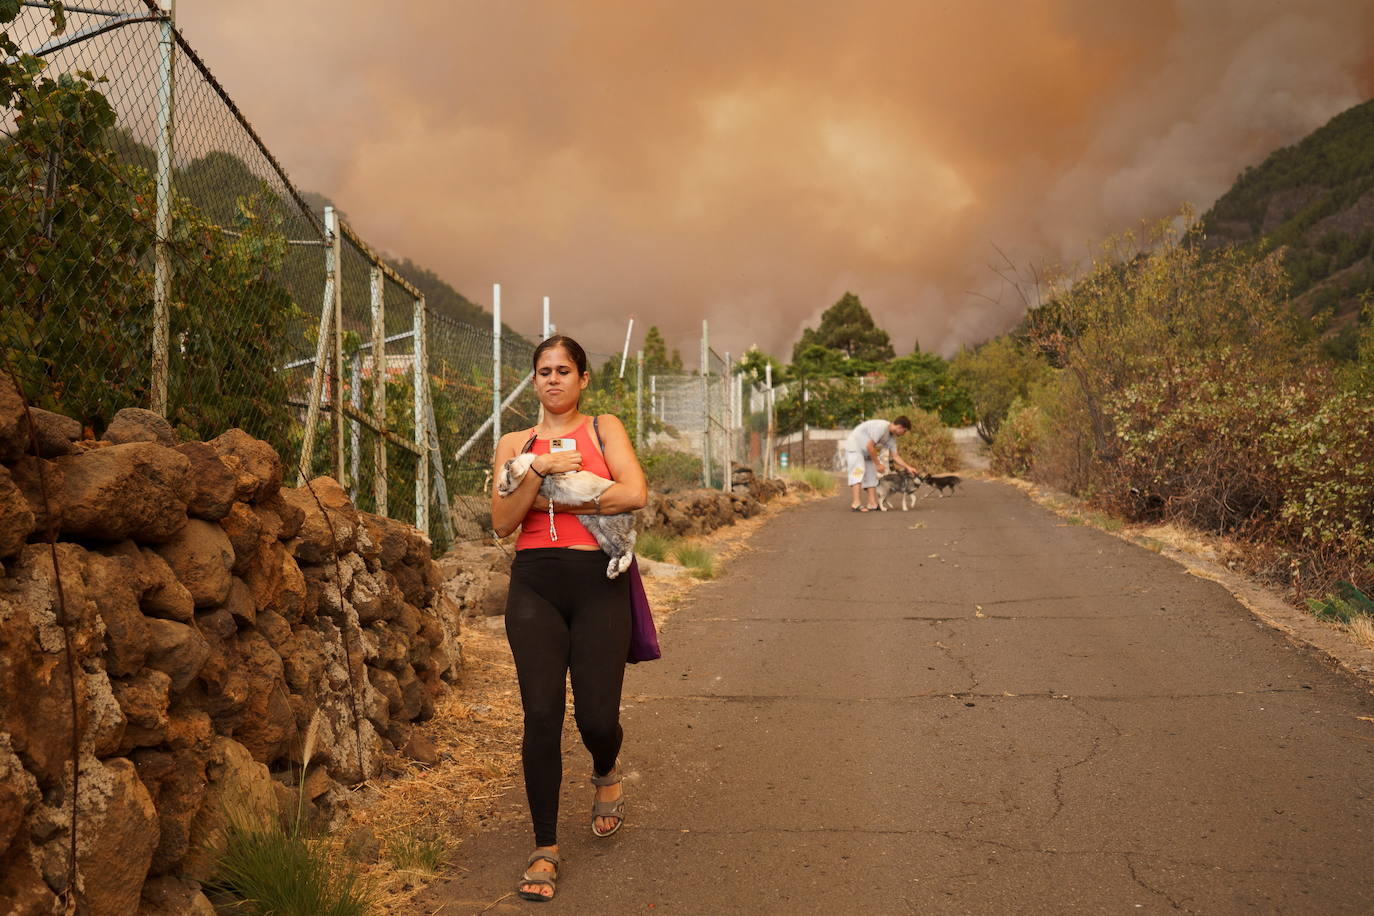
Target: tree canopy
656, 359
848, 328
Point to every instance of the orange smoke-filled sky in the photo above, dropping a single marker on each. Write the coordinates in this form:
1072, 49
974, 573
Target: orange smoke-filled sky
748, 162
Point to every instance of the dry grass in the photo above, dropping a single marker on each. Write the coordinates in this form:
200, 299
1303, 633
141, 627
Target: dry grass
476, 729
1361, 630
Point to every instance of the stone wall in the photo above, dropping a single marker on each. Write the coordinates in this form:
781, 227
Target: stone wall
685, 513
212, 616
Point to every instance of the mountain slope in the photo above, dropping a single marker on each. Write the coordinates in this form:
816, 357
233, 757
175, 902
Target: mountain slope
1315, 201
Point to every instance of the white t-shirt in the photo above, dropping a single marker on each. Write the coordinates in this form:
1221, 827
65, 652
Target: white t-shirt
876, 431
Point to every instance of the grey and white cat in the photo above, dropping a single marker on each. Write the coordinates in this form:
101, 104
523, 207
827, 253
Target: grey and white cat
614, 533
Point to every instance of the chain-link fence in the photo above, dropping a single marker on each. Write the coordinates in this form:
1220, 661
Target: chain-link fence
120, 228
154, 254
718, 413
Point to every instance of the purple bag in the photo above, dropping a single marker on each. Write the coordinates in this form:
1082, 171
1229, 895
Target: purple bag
643, 637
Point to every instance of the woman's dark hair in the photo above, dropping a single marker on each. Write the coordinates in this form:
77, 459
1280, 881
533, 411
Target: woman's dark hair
579, 355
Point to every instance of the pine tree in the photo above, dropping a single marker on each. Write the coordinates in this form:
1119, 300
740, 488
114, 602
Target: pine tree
848, 328
656, 360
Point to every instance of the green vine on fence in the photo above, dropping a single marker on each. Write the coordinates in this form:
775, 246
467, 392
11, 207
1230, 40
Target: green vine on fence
76, 242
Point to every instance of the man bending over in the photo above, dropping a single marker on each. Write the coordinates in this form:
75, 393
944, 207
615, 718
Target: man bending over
861, 457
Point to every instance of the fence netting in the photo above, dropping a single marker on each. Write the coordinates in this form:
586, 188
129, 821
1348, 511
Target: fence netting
78, 229
125, 196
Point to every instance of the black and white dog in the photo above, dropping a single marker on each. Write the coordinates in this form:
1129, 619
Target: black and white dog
614, 533
900, 483
941, 482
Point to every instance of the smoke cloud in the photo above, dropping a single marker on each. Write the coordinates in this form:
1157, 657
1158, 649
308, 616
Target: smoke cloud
747, 163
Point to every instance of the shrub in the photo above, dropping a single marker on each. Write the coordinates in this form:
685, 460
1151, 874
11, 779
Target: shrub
1191, 447
1184, 390
1018, 436
928, 445
667, 469
997, 374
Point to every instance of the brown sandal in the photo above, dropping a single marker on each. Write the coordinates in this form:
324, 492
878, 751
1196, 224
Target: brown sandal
613, 809
540, 878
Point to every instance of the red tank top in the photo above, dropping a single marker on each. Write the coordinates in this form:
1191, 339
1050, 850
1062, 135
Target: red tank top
534, 530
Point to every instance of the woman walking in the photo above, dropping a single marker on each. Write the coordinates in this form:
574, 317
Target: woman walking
562, 613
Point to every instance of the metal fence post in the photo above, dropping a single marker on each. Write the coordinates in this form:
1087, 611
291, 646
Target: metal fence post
639, 399
355, 431
312, 414
727, 392
337, 379
162, 262
768, 406
495, 365
705, 408
421, 401
436, 459
378, 390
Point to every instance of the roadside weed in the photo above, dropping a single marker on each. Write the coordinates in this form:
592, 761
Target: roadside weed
275, 871
698, 560
424, 853
655, 545
1362, 631
815, 478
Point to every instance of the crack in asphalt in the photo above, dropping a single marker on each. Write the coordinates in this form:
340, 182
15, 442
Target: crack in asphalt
1135, 876
916, 617
961, 695
958, 661
820, 599
1061, 771
1117, 596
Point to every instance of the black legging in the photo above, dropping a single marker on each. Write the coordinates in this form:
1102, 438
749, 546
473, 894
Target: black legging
563, 614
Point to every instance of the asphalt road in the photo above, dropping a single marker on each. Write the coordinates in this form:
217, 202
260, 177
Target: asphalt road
972, 707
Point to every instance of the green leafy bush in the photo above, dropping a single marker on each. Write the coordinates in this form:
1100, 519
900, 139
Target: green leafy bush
928, 445
1184, 390
1344, 606
667, 469
1017, 439
997, 374
76, 244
